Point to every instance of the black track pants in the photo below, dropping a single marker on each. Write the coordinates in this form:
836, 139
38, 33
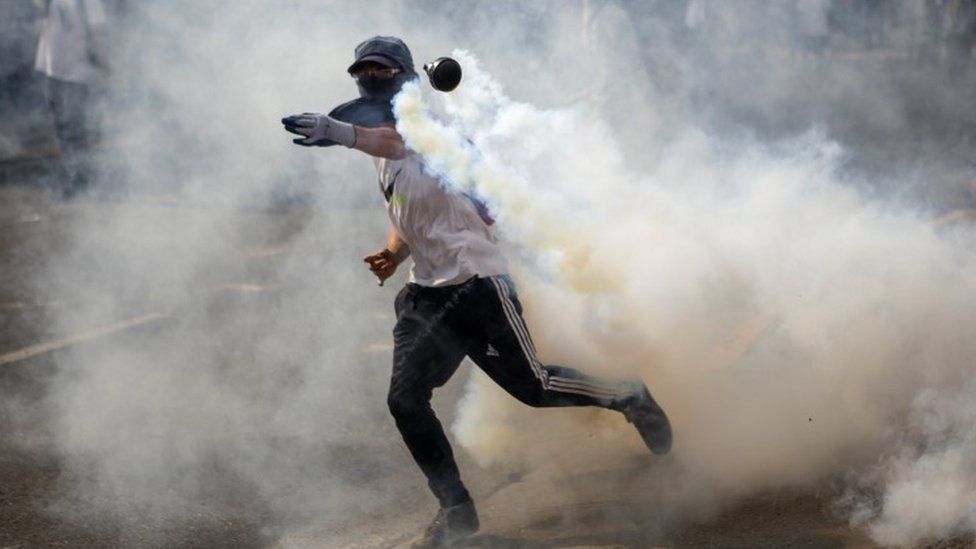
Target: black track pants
481, 318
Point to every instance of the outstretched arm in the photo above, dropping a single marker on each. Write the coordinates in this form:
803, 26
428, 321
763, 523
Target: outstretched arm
384, 262
323, 130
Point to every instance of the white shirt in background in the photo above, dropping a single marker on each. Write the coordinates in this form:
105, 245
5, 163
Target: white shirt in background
62, 51
449, 239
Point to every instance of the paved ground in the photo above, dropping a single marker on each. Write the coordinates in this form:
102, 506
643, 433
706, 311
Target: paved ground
620, 507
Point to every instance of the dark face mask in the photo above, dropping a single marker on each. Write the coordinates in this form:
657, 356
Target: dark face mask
372, 86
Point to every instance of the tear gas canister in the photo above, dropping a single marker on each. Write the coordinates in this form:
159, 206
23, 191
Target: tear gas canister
444, 73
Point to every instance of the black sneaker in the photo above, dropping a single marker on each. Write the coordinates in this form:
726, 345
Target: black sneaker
452, 524
649, 419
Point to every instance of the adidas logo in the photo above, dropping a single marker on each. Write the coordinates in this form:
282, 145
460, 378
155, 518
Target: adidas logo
491, 351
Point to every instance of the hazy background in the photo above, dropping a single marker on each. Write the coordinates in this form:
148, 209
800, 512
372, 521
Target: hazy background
685, 173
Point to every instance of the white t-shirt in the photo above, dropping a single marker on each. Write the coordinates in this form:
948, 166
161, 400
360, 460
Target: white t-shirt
62, 51
450, 239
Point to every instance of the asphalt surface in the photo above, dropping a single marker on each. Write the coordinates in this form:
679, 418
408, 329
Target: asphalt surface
615, 498
40, 501
36, 486
34, 226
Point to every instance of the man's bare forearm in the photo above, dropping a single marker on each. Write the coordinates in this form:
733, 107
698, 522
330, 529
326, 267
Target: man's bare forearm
383, 142
397, 246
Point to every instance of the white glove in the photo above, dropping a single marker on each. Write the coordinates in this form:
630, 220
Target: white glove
319, 130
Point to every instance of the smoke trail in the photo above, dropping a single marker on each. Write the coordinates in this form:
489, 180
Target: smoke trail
510, 192
860, 306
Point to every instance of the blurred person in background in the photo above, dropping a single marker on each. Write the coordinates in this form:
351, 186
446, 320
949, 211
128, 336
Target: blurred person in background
73, 53
875, 18
19, 25
960, 37
935, 30
812, 25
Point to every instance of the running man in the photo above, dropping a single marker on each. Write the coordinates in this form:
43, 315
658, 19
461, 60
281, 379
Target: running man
459, 301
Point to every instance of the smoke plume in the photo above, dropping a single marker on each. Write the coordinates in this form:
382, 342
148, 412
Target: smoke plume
862, 307
694, 201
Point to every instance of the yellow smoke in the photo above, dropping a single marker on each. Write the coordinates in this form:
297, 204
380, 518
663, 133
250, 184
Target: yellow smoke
539, 228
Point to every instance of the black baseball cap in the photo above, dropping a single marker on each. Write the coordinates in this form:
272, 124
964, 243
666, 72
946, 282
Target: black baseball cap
388, 51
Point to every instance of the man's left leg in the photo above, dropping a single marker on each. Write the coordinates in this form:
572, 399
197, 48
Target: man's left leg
426, 353
425, 356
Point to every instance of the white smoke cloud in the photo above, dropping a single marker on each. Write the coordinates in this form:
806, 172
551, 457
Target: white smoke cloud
926, 478
663, 266
794, 329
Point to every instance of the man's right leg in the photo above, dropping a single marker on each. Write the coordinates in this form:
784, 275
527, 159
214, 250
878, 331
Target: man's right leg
426, 353
507, 354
